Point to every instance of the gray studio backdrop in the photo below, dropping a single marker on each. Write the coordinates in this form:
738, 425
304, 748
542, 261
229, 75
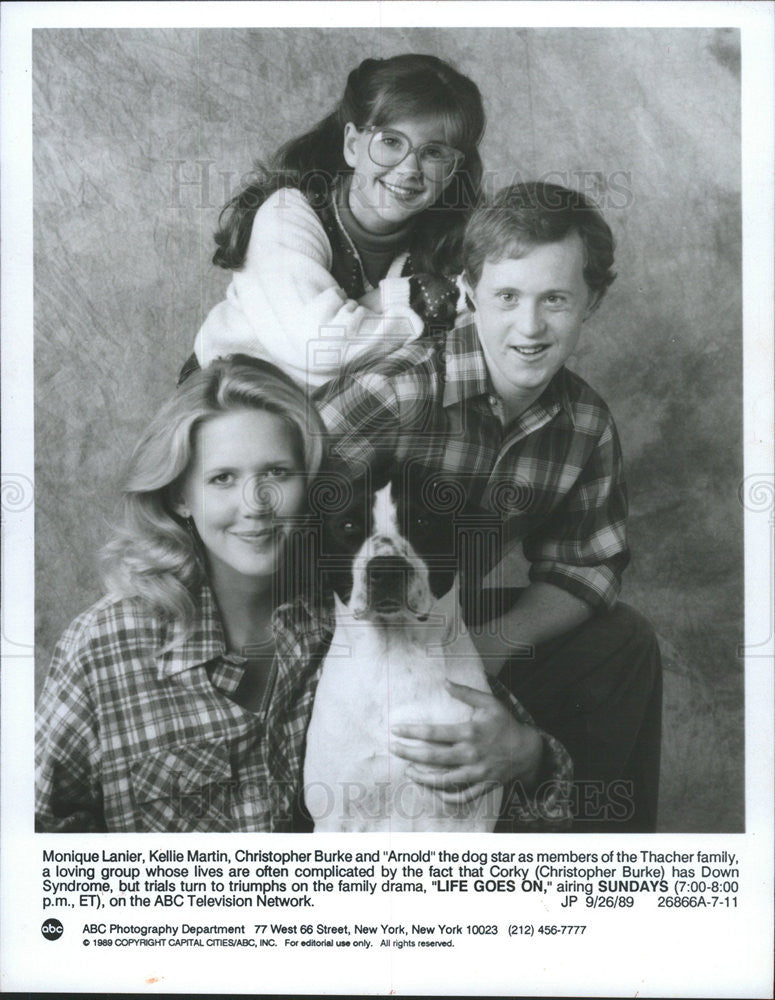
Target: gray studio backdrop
140, 135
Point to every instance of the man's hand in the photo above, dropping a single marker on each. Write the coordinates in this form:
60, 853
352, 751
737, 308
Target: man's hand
464, 760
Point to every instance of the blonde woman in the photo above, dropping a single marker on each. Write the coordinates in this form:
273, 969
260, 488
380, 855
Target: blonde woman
180, 700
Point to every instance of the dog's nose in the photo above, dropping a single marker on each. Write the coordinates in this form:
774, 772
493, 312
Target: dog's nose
387, 575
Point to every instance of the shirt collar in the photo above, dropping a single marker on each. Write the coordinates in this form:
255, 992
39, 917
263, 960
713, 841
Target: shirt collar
467, 376
300, 619
303, 620
552, 401
465, 368
204, 643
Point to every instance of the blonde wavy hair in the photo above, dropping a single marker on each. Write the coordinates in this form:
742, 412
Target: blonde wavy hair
153, 555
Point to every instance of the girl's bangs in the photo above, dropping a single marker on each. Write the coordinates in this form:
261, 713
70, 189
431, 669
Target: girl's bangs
394, 106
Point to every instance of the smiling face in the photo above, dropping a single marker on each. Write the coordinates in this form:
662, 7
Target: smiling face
383, 199
529, 314
244, 478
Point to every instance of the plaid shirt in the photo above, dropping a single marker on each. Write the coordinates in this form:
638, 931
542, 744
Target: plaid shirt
552, 479
130, 739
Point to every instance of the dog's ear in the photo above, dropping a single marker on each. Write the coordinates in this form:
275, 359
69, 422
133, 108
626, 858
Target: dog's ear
449, 605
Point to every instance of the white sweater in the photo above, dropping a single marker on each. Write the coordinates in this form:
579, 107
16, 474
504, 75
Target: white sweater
285, 306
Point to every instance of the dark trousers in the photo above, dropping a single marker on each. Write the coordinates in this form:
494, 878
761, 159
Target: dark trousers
597, 689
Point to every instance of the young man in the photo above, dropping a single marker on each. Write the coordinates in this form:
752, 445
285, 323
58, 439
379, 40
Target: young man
495, 409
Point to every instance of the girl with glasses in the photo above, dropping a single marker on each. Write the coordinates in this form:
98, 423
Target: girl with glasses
336, 246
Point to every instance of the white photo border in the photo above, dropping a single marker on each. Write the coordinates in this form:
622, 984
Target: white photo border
19, 933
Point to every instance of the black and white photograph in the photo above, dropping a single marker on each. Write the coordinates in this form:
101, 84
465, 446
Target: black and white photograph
385, 466
141, 138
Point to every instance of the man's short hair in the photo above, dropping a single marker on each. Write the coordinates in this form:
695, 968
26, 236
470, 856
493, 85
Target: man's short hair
526, 215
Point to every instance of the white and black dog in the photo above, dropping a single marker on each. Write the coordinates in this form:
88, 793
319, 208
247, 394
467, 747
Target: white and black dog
399, 634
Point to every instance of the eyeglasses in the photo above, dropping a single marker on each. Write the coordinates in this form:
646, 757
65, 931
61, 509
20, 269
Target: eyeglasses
388, 148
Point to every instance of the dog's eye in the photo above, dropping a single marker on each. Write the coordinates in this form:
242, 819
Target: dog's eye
349, 527
422, 522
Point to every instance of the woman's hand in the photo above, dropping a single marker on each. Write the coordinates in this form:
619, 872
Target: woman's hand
464, 760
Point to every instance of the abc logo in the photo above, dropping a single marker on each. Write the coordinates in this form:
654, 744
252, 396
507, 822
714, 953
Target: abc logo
52, 929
